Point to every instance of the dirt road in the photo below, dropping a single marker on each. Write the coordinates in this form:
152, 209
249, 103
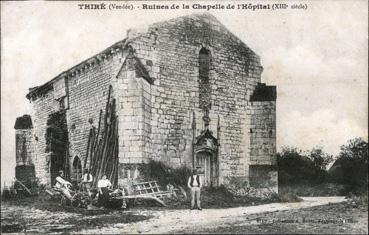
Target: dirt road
170, 221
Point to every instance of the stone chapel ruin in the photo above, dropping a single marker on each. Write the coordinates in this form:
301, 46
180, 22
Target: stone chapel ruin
186, 92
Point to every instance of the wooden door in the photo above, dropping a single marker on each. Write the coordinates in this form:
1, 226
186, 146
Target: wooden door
204, 161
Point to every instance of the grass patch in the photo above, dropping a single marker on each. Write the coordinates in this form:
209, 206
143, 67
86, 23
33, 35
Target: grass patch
17, 223
20, 215
46, 203
289, 197
320, 190
212, 198
357, 201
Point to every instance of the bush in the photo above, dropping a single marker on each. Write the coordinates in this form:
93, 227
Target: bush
351, 167
289, 197
306, 172
158, 171
296, 167
165, 174
179, 176
357, 201
7, 194
319, 190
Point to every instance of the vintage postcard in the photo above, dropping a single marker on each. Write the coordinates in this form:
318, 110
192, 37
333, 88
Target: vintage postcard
184, 117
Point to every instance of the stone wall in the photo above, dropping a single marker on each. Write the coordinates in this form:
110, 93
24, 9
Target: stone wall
86, 92
87, 95
263, 160
134, 113
42, 106
156, 81
173, 48
263, 133
24, 147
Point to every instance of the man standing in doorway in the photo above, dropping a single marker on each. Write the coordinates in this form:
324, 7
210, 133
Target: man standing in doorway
194, 184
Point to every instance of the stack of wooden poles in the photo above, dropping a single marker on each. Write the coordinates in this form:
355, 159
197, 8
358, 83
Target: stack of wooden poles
102, 146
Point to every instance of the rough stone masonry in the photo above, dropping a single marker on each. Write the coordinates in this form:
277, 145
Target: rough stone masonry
188, 92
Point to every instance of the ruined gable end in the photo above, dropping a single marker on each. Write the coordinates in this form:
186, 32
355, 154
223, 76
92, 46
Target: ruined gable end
186, 92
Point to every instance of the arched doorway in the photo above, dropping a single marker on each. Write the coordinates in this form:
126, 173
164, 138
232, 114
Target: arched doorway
76, 170
206, 151
56, 137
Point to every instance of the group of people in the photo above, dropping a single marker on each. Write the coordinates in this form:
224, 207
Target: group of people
103, 187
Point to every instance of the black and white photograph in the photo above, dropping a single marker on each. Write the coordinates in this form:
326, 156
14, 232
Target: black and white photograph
184, 117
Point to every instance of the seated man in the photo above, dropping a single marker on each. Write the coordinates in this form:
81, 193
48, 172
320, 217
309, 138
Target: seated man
103, 186
63, 185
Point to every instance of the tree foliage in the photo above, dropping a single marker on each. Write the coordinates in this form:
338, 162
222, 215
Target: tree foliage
351, 166
320, 159
350, 170
298, 167
355, 149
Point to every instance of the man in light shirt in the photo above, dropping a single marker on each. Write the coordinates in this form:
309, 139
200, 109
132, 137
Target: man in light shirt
194, 184
63, 185
87, 182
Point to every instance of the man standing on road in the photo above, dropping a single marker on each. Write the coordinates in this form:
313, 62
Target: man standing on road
195, 185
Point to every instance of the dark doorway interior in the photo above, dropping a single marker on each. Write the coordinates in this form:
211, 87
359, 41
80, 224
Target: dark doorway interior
57, 144
76, 174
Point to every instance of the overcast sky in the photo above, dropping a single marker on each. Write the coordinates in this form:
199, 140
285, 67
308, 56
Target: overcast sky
317, 58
